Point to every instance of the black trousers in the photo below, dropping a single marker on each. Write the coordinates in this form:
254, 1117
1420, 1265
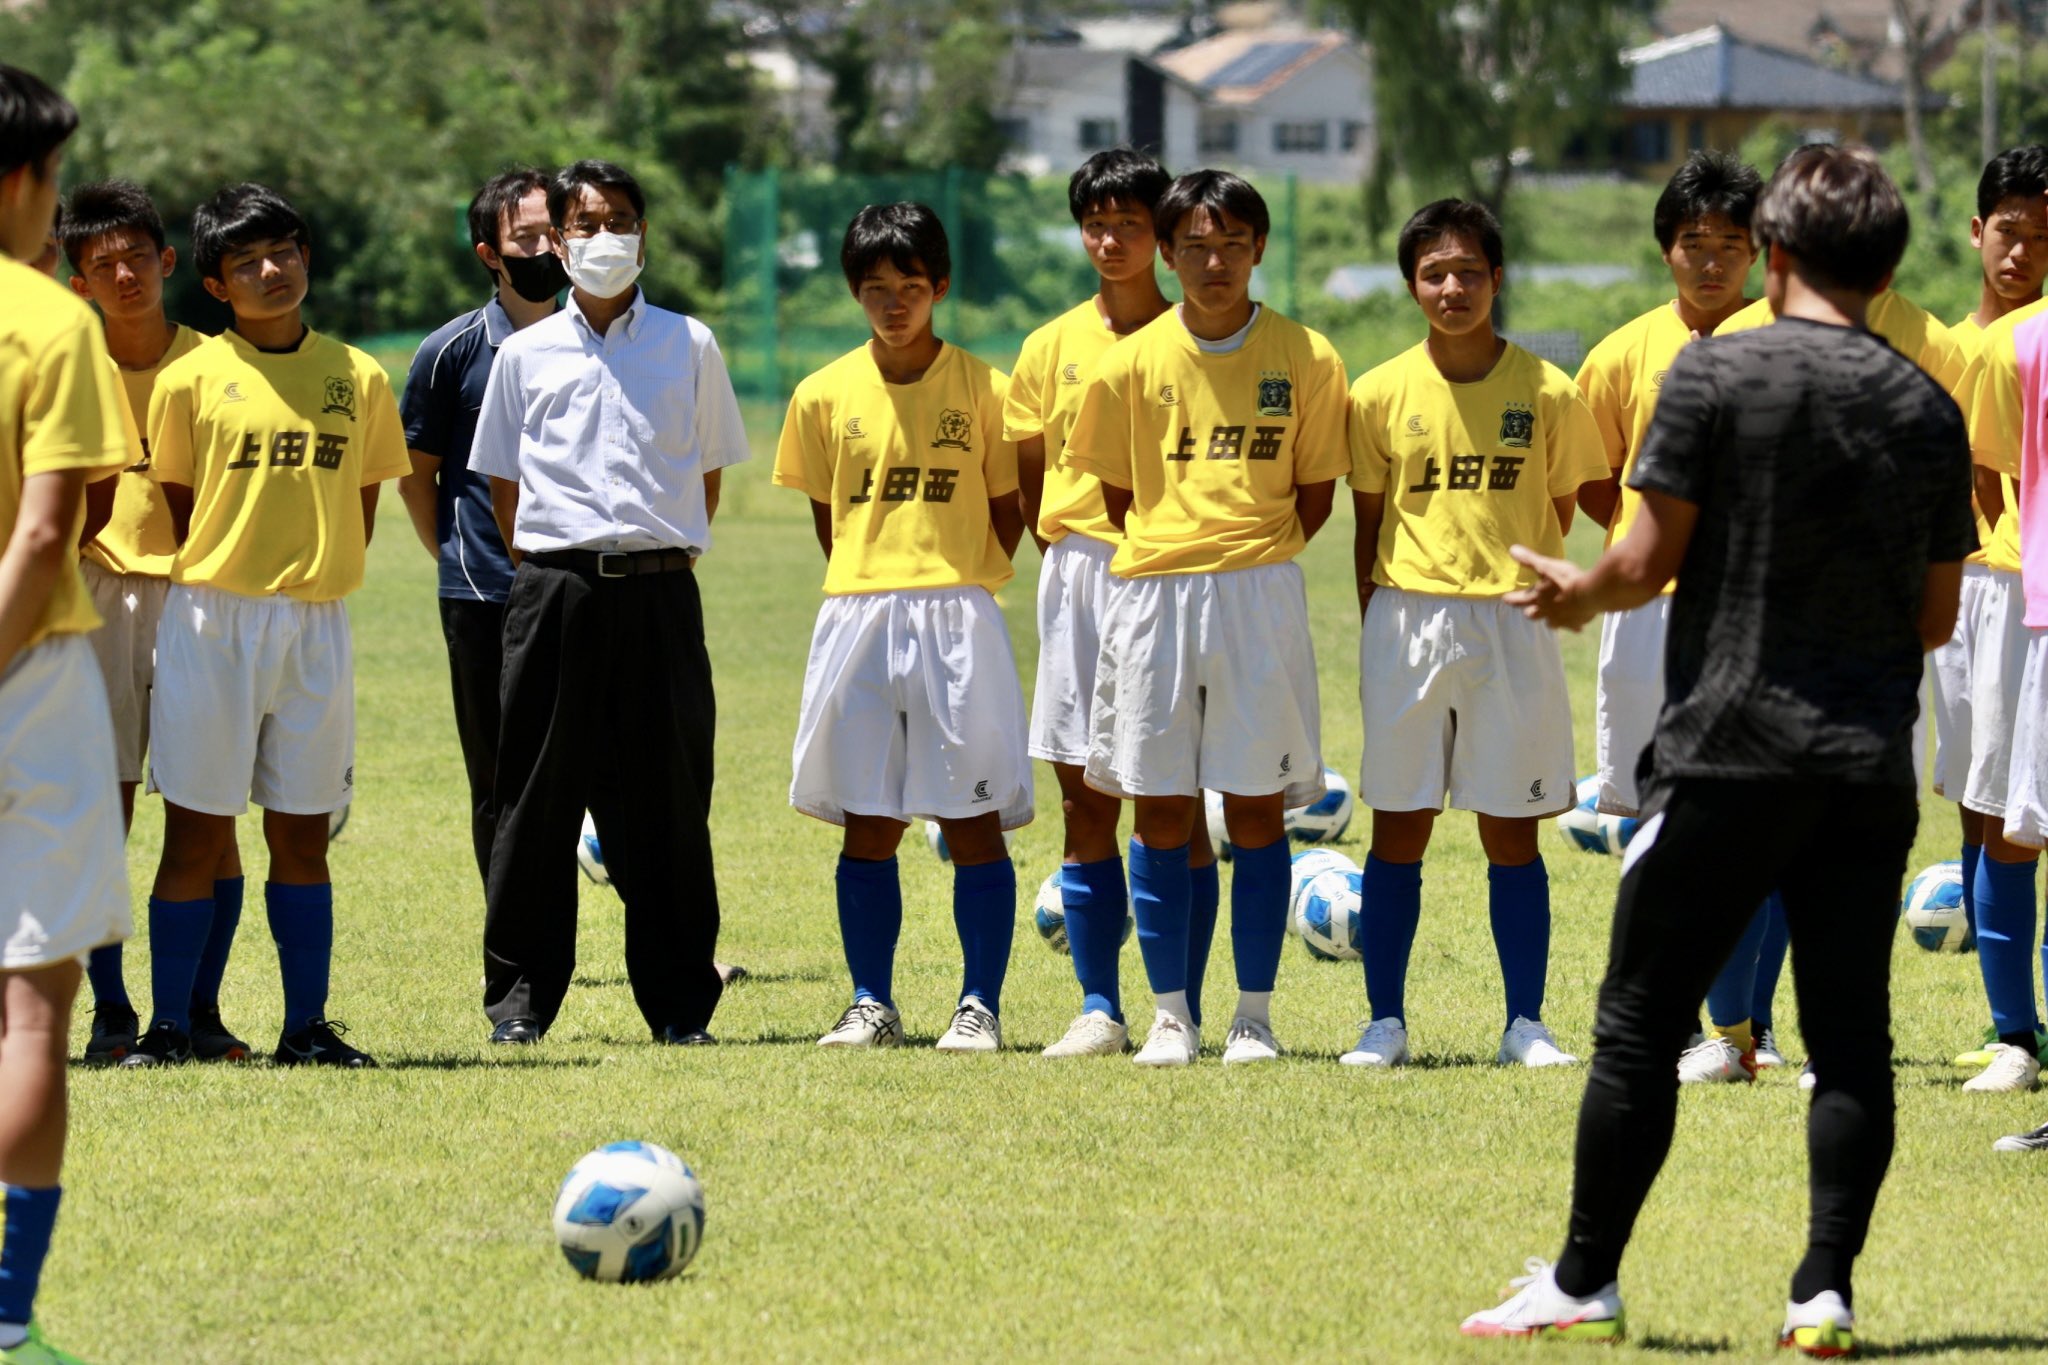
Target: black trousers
1719, 847
475, 632
607, 705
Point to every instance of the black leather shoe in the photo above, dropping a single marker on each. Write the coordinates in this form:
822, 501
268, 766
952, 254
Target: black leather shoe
671, 1036
517, 1031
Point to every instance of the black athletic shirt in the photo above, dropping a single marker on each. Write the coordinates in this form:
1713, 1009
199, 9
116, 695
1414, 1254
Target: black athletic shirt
1829, 472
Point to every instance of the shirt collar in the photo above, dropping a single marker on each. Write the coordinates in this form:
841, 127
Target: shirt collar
635, 311
497, 323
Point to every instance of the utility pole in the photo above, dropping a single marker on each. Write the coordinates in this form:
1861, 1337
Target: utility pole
1988, 16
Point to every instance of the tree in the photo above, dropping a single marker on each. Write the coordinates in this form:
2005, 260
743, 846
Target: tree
1912, 21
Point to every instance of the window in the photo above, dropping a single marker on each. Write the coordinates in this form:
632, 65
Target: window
1301, 137
1695, 134
1015, 132
1097, 133
1219, 135
1649, 142
1354, 134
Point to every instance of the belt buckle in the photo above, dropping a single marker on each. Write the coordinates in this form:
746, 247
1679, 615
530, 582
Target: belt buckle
613, 564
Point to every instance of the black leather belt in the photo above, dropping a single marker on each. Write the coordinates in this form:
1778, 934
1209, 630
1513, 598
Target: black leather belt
614, 563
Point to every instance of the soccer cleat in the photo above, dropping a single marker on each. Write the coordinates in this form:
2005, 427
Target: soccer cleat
2012, 1068
1716, 1059
114, 1030
1173, 1042
1822, 1326
868, 1023
36, 1351
1766, 1051
2036, 1141
1383, 1043
1529, 1043
319, 1044
1249, 1041
211, 1041
1978, 1058
164, 1045
1093, 1034
975, 1028
1536, 1307
1807, 1080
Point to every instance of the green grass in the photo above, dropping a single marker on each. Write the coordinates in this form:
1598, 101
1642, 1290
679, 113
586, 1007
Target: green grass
910, 1206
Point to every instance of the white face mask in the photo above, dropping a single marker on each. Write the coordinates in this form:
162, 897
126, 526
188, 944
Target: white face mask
604, 266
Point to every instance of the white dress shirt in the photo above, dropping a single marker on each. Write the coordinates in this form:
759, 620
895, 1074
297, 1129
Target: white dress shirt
610, 436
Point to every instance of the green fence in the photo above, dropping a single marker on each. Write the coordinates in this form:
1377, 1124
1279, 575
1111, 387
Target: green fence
1017, 262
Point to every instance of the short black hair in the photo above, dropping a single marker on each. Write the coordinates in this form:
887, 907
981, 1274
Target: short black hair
1443, 218
1836, 211
908, 236
603, 174
2016, 172
1710, 181
1117, 176
34, 120
1213, 191
237, 216
106, 206
499, 193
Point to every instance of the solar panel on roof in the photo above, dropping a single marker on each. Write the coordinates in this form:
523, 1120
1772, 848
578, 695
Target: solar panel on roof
1258, 62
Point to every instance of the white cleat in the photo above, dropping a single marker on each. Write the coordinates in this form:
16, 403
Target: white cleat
869, 1023
975, 1028
1384, 1043
1767, 1053
1538, 1308
1529, 1043
1173, 1042
2036, 1141
1093, 1034
1249, 1041
1716, 1059
1807, 1080
1823, 1326
2012, 1068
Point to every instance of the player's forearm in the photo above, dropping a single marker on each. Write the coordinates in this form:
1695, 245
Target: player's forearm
714, 484
417, 492
39, 550
99, 509
1031, 482
1990, 492
1116, 503
178, 499
1007, 518
1312, 503
505, 511
369, 512
1366, 510
1599, 499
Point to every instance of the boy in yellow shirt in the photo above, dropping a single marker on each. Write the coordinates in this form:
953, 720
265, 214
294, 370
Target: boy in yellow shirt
1461, 447
911, 705
269, 442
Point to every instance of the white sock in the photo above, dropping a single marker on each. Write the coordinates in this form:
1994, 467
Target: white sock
1175, 1003
1256, 1006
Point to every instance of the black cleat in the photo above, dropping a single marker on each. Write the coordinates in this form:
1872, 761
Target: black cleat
114, 1030
164, 1045
319, 1044
520, 1030
670, 1036
211, 1041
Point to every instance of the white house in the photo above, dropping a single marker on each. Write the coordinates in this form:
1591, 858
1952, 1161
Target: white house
1063, 103
1281, 100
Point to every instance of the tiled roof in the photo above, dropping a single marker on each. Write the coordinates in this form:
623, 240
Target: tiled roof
1714, 69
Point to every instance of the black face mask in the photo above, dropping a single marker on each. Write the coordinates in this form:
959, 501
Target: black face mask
535, 278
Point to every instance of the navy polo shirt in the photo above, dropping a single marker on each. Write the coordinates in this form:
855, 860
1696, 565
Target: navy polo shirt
443, 394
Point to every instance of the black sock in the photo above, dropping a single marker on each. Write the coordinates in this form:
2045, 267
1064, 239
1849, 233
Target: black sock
2023, 1040
1823, 1269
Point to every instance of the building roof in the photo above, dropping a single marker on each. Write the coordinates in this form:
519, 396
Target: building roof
1855, 34
1714, 69
1065, 66
1245, 65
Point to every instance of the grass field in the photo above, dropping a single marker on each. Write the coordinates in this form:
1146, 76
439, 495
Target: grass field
912, 1206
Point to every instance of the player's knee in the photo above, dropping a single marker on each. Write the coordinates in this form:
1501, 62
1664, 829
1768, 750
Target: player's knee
1255, 821
1508, 842
1091, 820
872, 838
975, 841
1401, 836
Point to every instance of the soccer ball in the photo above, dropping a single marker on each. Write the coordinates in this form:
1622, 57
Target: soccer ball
1212, 814
1306, 865
1324, 819
936, 837
628, 1213
1327, 914
337, 821
1933, 909
1586, 829
1050, 917
589, 856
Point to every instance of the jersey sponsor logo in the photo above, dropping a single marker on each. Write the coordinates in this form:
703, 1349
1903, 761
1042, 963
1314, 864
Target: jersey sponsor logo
853, 430
1657, 379
1517, 424
1471, 474
232, 393
954, 428
900, 484
981, 790
1276, 395
1535, 791
1169, 397
1286, 763
1415, 425
1070, 373
341, 397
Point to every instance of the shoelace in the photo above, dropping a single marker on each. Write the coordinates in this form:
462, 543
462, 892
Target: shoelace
863, 1012
970, 1021
1534, 1266
325, 1032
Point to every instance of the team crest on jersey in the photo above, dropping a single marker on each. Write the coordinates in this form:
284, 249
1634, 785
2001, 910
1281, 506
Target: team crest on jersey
1169, 397
341, 397
1070, 373
1276, 396
954, 426
853, 430
1517, 424
1415, 426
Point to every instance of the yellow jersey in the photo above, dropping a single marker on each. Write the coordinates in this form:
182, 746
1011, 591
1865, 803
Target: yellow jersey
276, 448
1912, 331
1212, 446
1969, 335
59, 410
1619, 380
1469, 469
1994, 405
907, 469
138, 537
1045, 394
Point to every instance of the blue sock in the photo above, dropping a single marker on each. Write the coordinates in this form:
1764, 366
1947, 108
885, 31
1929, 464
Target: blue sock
1518, 903
302, 923
985, 913
1733, 992
1391, 910
2005, 943
220, 940
870, 919
31, 1215
1259, 883
1092, 895
103, 970
1770, 962
177, 936
1161, 890
1971, 853
1207, 885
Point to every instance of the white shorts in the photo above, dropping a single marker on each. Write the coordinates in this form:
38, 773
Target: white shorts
130, 605
1208, 680
63, 867
1949, 675
1629, 699
1464, 698
1073, 594
912, 709
254, 700
2026, 800
1998, 655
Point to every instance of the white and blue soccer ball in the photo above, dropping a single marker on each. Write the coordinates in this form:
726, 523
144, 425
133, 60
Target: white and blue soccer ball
590, 854
1304, 868
1588, 830
1327, 817
1327, 915
630, 1213
1049, 917
1933, 909
936, 838
337, 821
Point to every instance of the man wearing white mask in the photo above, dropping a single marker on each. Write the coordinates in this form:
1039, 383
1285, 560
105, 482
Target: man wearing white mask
604, 430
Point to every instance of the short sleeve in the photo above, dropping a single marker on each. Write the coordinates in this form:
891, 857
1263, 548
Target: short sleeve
1023, 410
801, 459
1596, 384
1099, 442
384, 452
721, 434
170, 431
1992, 396
494, 449
999, 465
1321, 450
1673, 460
1943, 357
426, 410
71, 414
1577, 454
1371, 462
